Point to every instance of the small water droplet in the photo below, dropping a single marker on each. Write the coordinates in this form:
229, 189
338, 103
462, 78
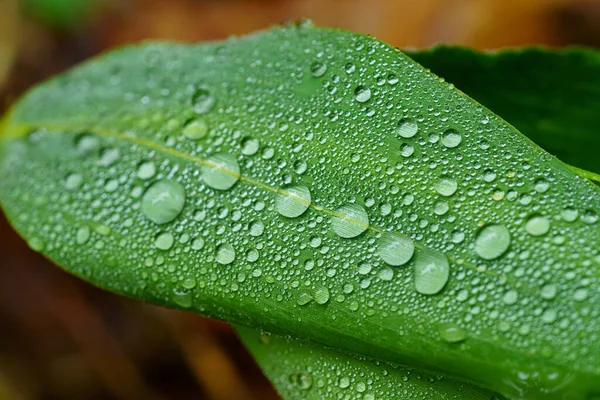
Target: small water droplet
351, 220
225, 254
293, 201
549, 291
589, 217
202, 101
362, 93
257, 228
146, 170
195, 130
223, 171
407, 128
452, 333
492, 241
445, 186
182, 299
318, 69
407, 149
537, 225
569, 214
431, 271
83, 235
451, 138
87, 144
510, 297
164, 241
395, 249
250, 146
109, 157
163, 201
541, 185
73, 181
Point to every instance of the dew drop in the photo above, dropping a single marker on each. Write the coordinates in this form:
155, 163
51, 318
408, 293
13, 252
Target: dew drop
395, 249
452, 333
164, 241
223, 171
351, 220
146, 170
250, 146
541, 185
451, 138
321, 295
445, 186
492, 241
362, 93
225, 254
548, 291
83, 235
195, 130
87, 144
407, 128
300, 166
407, 149
318, 69
293, 201
202, 101
510, 297
589, 217
109, 157
431, 271
257, 228
182, 299
537, 225
163, 201
569, 214
73, 181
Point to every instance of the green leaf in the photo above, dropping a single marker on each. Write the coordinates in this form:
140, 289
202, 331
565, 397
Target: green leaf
552, 96
301, 370
321, 184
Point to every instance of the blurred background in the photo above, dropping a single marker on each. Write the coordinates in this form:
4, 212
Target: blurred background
61, 338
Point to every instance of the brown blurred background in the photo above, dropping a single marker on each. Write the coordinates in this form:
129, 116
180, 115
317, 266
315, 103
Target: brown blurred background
61, 338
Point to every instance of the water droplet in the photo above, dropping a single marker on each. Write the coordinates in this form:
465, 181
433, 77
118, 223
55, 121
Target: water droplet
351, 220
195, 130
197, 244
109, 157
541, 185
362, 93
87, 144
182, 299
441, 208
537, 225
250, 146
407, 149
73, 181
163, 201
223, 172
395, 249
549, 316
451, 138
510, 297
202, 101
407, 128
225, 254
318, 69
445, 186
303, 380
36, 244
569, 214
549, 291
257, 228
146, 170
164, 241
452, 333
83, 235
300, 166
579, 295
321, 295
589, 217
293, 201
492, 241
431, 271
489, 175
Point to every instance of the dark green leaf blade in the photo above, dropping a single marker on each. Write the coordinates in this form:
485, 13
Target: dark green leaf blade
302, 370
320, 183
552, 96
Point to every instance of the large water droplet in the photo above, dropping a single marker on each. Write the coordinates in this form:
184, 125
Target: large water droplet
321, 295
362, 93
225, 254
407, 128
223, 171
431, 271
537, 225
293, 201
318, 69
395, 249
163, 201
351, 220
451, 138
146, 170
250, 146
569, 214
445, 186
257, 228
492, 241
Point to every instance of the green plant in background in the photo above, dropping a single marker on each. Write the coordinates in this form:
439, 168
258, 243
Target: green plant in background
322, 186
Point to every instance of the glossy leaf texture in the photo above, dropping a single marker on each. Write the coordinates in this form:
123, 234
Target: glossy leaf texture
301, 370
552, 96
321, 184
